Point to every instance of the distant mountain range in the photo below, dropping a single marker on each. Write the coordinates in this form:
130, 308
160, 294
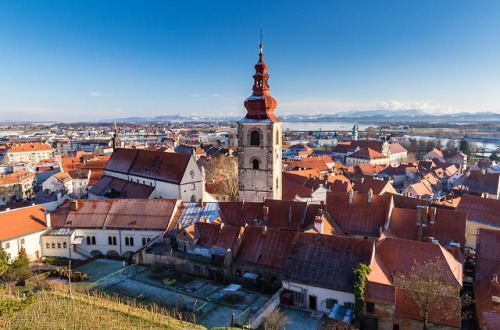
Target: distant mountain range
368, 116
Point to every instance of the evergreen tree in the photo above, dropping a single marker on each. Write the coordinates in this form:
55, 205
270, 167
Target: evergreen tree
19, 269
464, 147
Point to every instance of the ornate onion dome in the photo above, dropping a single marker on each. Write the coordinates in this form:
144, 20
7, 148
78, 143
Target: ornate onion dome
260, 105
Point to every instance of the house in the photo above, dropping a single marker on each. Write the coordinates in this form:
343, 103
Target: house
397, 154
487, 183
388, 298
358, 215
377, 186
429, 224
262, 256
17, 186
448, 157
61, 181
422, 189
481, 213
319, 270
114, 227
366, 156
21, 229
487, 286
156, 175
29, 152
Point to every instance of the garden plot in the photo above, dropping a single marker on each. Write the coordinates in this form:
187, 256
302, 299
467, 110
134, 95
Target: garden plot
300, 319
100, 268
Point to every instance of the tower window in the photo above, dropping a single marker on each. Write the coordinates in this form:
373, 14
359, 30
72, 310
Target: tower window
259, 83
255, 164
255, 138
277, 137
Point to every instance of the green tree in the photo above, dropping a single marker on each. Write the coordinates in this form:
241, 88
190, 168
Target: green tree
360, 273
4, 260
464, 147
19, 269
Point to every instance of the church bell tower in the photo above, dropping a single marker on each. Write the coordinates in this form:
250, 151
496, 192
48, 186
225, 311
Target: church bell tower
259, 142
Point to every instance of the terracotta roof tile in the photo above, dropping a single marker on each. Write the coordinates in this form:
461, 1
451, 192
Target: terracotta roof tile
480, 209
22, 221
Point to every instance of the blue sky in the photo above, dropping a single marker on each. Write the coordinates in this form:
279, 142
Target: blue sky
91, 60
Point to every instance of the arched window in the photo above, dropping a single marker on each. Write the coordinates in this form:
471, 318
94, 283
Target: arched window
131, 241
64, 245
110, 240
255, 138
93, 240
255, 164
277, 137
193, 198
126, 241
88, 240
114, 240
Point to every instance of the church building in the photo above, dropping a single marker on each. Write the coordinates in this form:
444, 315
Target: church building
259, 142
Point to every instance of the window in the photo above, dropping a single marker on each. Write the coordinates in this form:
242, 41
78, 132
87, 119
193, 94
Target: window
47, 245
193, 198
7, 245
22, 239
64, 245
58, 245
349, 305
255, 164
127, 241
88, 240
330, 302
110, 240
131, 241
297, 296
149, 239
93, 240
53, 245
114, 240
277, 137
255, 138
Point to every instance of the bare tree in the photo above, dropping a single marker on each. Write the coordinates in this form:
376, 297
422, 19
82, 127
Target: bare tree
223, 170
429, 288
276, 320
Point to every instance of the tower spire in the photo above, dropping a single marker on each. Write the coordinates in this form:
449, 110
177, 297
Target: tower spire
261, 105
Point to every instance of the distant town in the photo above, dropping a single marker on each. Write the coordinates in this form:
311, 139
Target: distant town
250, 223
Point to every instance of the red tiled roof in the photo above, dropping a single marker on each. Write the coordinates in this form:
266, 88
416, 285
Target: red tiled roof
449, 225
370, 169
361, 217
487, 252
154, 214
396, 148
309, 163
121, 188
291, 189
22, 221
480, 209
265, 247
364, 184
399, 256
367, 153
238, 214
326, 261
63, 177
287, 214
24, 147
212, 234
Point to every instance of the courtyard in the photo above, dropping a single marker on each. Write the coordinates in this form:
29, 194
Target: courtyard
207, 303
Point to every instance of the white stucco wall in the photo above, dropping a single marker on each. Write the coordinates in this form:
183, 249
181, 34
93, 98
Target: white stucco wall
31, 245
321, 294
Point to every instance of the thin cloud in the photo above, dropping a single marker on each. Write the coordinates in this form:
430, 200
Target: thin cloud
95, 94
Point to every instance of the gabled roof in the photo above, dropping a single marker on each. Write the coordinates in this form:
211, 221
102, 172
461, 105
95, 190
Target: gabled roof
361, 217
22, 221
287, 214
396, 148
371, 169
408, 202
238, 214
64, 177
212, 234
156, 165
112, 187
154, 214
487, 182
399, 256
367, 153
326, 261
265, 247
364, 184
449, 225
480, 209
309, 163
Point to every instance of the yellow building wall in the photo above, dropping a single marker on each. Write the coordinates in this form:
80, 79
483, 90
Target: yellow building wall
472, 231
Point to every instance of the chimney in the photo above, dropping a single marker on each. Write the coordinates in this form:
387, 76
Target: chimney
221, 225
318, 223
455, 250
433, 215
290, 215
322, 204
243, 204
419, 197
362, 180
200, 202
351, 196
73, 205
265, 212
264, 230
48, 223
494, 278
370, 195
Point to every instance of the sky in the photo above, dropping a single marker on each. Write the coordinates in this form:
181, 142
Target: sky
93, 60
